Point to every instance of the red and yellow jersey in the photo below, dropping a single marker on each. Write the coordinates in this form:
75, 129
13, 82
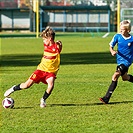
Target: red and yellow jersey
51, 59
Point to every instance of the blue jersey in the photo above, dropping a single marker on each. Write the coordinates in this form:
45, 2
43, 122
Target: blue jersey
124, 48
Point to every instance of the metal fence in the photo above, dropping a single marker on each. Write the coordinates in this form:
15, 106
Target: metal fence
75, 18
127, 13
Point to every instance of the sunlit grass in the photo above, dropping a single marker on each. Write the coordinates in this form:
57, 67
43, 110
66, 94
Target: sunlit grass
84, 76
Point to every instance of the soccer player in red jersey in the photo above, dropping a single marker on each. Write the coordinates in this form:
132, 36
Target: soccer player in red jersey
47, 69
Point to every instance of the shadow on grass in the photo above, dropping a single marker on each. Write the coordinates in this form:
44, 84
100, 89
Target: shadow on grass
87, 58
22, 107
76, 104
91, 104
123, 102
66, 59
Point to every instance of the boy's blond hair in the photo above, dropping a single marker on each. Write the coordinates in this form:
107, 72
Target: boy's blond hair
126, 23
48, 32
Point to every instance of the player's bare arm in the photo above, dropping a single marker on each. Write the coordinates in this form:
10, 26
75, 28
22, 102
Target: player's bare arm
59, 45
112, 51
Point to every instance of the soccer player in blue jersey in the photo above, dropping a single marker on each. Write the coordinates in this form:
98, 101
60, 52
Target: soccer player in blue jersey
124, 55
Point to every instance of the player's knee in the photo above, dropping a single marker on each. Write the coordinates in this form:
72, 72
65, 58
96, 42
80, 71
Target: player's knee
124, 79
116, 76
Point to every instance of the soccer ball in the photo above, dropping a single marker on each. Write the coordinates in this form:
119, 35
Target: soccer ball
8, 102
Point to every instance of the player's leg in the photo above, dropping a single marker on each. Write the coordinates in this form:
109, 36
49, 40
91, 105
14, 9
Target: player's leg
21, 86
121, 71
50, 82
127, 77
26, 84
111, 88
131, 78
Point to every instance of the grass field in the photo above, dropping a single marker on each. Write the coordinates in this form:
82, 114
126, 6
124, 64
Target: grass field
73, 107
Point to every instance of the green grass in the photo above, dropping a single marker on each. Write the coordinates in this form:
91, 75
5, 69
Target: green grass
73, 107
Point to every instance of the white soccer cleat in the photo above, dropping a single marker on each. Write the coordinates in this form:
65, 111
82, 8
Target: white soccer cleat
9, 91
42, 103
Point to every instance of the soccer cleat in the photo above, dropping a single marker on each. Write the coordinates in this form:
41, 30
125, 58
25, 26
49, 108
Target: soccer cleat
9, 91
42, 103
104, 100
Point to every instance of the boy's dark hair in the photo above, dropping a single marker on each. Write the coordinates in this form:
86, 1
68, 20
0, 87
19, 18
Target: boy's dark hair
48, 32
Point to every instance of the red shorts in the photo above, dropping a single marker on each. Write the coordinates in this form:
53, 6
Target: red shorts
41, 76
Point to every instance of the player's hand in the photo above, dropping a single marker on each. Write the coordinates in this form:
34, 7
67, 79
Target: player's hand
59, 44
113, 53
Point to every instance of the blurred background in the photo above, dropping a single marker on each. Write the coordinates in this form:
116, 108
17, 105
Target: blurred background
63, 15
